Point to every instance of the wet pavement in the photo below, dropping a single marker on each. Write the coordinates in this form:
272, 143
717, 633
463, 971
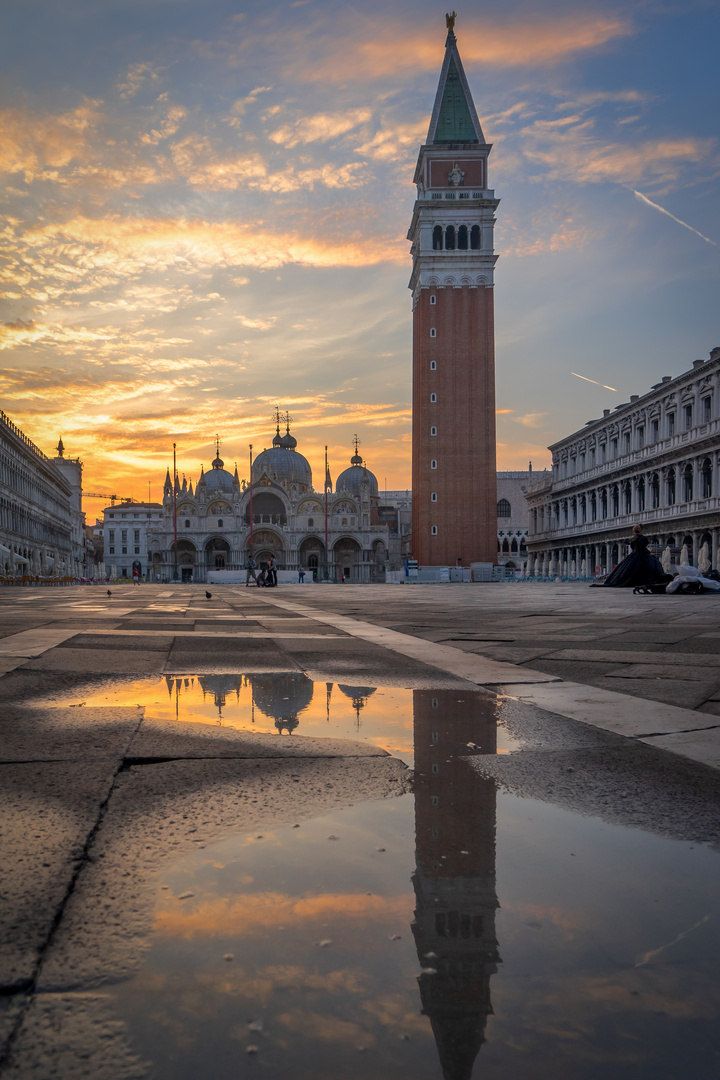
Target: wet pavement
239, 841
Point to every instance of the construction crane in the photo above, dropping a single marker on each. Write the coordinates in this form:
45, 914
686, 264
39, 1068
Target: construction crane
111, 498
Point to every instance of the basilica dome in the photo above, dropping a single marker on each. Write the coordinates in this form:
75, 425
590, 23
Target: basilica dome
353, 478
282, 465
218, 479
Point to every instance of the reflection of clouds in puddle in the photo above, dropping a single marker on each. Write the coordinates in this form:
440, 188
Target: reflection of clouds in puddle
249, 914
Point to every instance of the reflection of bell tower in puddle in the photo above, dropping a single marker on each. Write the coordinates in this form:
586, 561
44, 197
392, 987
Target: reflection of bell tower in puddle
282, 697
454, 880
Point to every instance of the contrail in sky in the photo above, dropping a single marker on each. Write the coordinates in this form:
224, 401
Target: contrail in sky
668, 214
593, 381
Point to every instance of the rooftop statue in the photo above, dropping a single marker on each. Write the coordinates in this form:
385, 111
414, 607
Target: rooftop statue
450, 21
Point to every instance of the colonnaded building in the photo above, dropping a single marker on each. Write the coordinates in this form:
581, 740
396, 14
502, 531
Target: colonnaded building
222, 520
41, 520
654, 461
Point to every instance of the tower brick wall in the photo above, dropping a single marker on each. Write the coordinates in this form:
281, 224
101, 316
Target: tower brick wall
454, 512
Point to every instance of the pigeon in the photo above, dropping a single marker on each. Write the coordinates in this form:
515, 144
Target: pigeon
208, 596
109, 593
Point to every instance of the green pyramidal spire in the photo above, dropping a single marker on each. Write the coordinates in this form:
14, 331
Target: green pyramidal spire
454, 118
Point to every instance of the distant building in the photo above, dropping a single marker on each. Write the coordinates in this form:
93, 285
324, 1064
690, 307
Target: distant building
222, 520
125, 537
654, 461
41, 519
512, 517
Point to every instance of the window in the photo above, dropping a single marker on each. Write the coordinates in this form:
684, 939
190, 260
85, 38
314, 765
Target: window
111, 536
613, 447
450, 238
433, 431
640, 437
475, 238
433, 332
433, 365
187, 524
433, 464
433, 496
124, 551
463, 238
582, 463
707, 408
655, 430
437, 238
433, 399
311, 522
124, 536
111, 515
433, 299
688, 417
433, 530
124, 571
503, 509
136, 537
220, 523
671, 423
112, 550
137, 550
626, 442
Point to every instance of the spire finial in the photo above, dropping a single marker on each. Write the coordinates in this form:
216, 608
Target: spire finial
60, 448
450, 21
356, 459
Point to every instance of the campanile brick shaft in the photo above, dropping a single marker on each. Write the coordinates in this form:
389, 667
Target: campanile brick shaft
453, 476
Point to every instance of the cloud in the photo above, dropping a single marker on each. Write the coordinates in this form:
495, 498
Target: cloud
531, 419
320, 127
137, 75
533, 42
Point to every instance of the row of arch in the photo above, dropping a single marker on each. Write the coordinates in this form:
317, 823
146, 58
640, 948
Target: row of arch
456, 238
682, 483
595, 559
218, 554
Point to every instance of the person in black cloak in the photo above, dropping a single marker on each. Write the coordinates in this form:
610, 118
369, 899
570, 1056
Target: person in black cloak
637, 568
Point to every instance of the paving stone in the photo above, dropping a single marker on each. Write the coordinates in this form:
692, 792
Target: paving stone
79, 733
574, 670
47, 811
99, 661
684, 694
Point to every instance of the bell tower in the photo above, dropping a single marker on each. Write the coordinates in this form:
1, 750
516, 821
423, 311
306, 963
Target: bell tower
454, 485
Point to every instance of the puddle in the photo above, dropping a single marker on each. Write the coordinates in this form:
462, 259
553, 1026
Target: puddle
291, 704
455, 932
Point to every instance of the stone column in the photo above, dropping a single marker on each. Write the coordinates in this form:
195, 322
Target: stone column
714, 550
696, 541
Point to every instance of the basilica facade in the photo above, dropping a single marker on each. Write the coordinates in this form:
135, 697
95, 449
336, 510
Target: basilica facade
214, 527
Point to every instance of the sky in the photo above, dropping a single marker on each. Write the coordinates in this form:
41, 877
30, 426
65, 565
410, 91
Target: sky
204, 209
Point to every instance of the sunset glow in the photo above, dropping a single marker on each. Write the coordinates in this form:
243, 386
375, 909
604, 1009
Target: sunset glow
204, 212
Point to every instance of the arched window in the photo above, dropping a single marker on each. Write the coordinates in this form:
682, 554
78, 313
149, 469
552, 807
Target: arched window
450, 238
433, 398
311, 522
433, 332
220, 523
433, 530
463, 238
654, 491
433, 496
514, 546
433, 365
627, 498
641, 493
433, 299
433, 464
433, 431
437, 238
504, 509
671, 487
706, 479
475, 238
506, 546
688, 484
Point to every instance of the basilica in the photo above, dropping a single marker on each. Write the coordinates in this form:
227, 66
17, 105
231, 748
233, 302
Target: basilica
207, 533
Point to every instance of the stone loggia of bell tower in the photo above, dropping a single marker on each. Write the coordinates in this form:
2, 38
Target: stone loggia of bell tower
454, 508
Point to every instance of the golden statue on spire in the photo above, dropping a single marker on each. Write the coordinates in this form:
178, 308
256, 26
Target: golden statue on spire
450, 21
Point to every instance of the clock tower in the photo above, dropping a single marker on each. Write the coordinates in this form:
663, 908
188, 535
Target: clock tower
454, 506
